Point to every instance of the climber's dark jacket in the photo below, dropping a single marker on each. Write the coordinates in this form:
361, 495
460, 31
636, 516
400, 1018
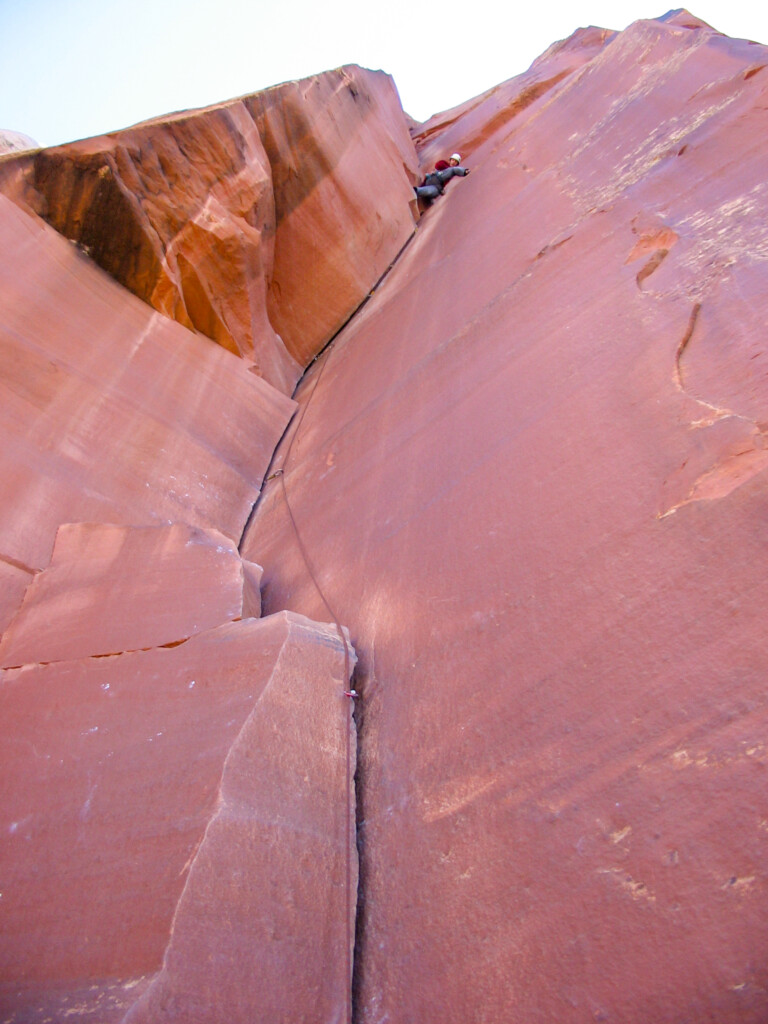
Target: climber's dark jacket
435, 182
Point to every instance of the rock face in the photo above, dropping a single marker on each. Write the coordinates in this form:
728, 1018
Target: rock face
532, 481
277, 212
529, 475
111, 589
110, 412
145, 797
265, 937
146, 736
343, 167
182, 214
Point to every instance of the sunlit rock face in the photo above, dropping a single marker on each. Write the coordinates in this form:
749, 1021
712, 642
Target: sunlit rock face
175, 830
529, 475
261, 223
163, 748
532, 481
343, 165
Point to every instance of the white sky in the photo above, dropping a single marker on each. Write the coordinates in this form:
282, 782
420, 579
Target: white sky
74, 68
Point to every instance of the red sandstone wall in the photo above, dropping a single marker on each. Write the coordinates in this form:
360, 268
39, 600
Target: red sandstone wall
164, 751
532, 481
175, 832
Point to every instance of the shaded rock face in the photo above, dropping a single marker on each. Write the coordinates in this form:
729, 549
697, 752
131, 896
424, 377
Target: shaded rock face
181, 213
529, 474
532, 480
261, 223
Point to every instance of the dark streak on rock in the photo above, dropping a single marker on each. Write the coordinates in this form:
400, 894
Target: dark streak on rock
684, 342
18, 565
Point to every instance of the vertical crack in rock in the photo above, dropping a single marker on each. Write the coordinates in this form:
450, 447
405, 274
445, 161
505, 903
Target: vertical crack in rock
356, 896
259, 920
292, 426
225, 757
511, 792
358, 952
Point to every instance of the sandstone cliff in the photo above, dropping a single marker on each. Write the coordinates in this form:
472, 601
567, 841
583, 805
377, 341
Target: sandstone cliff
260, 223
528, 476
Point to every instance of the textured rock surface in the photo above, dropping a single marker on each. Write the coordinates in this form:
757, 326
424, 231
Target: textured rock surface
342, 166
467, 126
178, 815
111, 412
269, 210
532, 482
111, 589
182, 213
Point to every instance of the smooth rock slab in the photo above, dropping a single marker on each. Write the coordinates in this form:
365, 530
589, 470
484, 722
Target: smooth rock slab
111, 589
181, 811
532, 479
110, 412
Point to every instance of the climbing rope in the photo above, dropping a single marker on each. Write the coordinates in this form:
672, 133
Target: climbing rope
350, 694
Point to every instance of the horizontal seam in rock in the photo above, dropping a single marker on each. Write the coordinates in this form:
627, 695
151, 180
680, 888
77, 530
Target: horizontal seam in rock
112, 654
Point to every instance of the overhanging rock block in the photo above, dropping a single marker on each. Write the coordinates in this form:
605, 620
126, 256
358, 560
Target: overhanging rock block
181, 212
175, 824
262, 222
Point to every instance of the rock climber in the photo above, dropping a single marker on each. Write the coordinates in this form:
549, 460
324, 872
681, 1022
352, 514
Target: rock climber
435, 182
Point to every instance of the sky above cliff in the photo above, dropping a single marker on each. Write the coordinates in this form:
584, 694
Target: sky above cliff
74, 68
